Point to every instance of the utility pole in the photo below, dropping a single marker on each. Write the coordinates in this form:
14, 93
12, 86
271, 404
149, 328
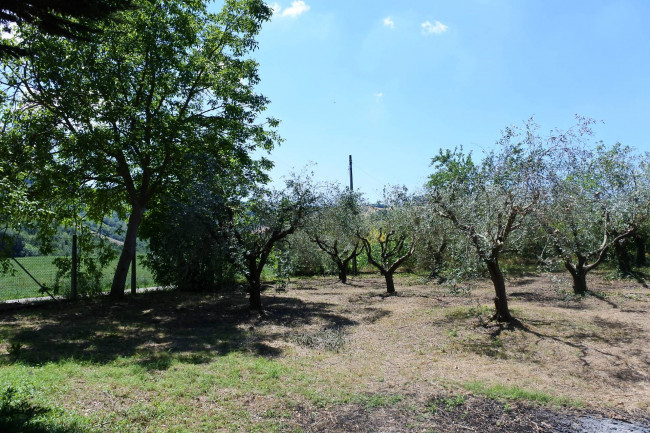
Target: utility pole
354, 261
351, 183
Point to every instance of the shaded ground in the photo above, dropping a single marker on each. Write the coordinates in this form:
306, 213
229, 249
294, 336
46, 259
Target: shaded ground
351, 359
446, 413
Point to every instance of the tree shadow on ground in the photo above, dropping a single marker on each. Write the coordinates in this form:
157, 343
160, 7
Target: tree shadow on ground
157, 328
609, 333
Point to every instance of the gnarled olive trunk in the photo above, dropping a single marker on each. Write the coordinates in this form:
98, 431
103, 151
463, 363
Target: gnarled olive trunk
128, 252
390, 284
500, 300
639, 243
343, 271
579, 275
623, 258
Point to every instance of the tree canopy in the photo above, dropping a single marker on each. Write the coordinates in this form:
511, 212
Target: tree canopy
166, 80
73, 19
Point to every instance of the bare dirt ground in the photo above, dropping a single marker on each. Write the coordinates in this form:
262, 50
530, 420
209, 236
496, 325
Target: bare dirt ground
593, 352
423, 360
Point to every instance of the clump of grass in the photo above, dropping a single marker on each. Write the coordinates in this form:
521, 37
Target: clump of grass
473, 312
447, 403
499, 391
330, 339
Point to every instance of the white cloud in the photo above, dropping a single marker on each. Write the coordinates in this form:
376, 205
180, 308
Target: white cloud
379, 96
435, 28
388, 22
298, 7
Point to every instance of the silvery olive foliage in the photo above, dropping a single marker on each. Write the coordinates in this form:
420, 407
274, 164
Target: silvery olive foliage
392, 232
488, 201
334, 226
596, 197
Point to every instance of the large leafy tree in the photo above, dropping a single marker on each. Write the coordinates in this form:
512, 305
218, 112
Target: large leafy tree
166, 80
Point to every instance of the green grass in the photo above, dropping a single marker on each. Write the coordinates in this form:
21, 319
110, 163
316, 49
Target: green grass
498, 391
18, 285
126, 396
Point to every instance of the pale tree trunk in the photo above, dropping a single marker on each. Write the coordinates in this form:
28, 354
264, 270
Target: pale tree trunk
128, 251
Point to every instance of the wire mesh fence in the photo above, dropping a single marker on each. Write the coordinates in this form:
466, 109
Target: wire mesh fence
18, 284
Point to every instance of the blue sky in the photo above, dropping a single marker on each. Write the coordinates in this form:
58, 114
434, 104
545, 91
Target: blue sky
392, 82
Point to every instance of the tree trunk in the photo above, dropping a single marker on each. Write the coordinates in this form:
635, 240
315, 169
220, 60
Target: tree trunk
254, 283
128, 252
579, 275
390, 284
639, 242
502, 313
343, 272
623, 259
255, 294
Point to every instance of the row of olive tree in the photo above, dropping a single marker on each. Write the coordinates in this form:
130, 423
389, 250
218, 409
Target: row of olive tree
556, 197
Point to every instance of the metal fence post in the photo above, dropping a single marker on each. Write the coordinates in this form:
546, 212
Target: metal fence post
133, 267
73, 273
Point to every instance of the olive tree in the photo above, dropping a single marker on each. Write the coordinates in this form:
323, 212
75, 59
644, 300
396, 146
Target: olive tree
166, 79
258, 222
334, 226
391, 233
488, 201
597, 197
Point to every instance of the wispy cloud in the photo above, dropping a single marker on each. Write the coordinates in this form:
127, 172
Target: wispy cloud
297, 8
388, 22
379, 96
436, 28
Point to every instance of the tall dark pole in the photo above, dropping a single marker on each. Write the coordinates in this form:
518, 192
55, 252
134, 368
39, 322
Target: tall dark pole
351, 183
73, 272
354, 260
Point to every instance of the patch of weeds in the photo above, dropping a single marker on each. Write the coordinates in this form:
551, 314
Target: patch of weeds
373, 401
464, 313
19, 414
446, 403
515, 393
331, 339
567, 296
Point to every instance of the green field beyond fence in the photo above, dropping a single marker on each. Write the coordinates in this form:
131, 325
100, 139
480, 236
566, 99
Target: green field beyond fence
19, 285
